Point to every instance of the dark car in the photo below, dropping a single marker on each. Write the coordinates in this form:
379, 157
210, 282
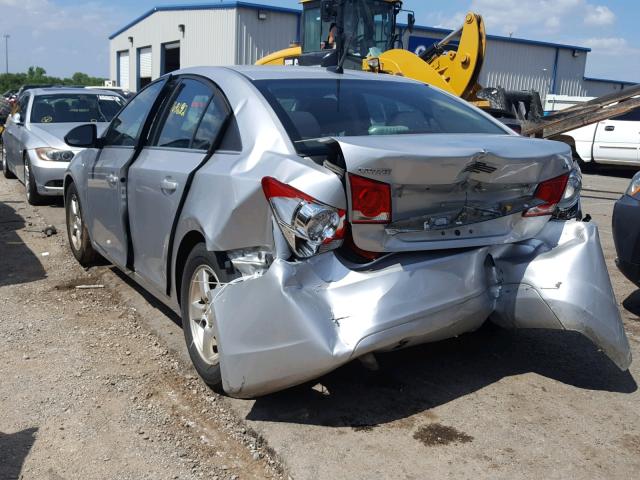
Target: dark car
626, 231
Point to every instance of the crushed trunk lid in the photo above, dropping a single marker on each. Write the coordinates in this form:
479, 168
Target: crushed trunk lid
451, 190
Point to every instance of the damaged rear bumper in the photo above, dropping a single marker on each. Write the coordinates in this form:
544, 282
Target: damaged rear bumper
301, 320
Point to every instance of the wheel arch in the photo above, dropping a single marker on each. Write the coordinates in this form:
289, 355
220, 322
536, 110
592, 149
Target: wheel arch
187, 243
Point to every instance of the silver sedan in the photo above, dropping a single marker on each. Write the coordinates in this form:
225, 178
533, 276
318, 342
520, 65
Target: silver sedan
298, 219
33, 141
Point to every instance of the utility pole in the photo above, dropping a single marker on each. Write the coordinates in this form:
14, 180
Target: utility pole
6, 52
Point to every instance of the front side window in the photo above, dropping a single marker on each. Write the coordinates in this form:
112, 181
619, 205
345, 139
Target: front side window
75, 108
183, 115
126, 127
314, 109
631, 116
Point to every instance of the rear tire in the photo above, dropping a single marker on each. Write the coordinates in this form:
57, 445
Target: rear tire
200, 279
33, 197
77, 232
5, 166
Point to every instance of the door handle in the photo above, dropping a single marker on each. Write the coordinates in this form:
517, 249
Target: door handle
112, 180
168, 185
609, 128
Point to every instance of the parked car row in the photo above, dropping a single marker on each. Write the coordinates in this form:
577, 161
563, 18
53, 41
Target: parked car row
359, 213
33, 147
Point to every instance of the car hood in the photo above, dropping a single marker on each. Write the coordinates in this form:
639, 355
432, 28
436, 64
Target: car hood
52, 134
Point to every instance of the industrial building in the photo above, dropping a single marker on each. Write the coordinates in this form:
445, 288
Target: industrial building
170, 37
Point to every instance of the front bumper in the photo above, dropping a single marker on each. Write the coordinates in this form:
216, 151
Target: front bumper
301, 320
48, 175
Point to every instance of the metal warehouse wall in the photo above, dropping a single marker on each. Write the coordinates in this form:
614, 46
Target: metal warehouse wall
208, 39
523, 66
596, 88
257, 38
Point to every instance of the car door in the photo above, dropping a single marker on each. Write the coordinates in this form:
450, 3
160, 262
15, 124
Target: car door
14, 137
106, 180
618, 139
159, 179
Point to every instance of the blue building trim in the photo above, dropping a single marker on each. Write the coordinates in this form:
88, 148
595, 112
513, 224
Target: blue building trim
524, 41
605, 80
205, 6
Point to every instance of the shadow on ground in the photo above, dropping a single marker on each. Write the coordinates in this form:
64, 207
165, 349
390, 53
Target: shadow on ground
18, 264
14, 449
421, 378
632, 303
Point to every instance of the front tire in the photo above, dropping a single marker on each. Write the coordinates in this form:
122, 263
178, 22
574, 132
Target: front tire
77, 232
200, 279
33, 197
5, 166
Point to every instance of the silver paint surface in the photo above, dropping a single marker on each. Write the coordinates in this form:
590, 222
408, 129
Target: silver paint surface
306, 318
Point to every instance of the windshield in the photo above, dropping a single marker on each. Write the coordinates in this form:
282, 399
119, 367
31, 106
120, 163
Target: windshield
75, 108
313, 109
367, 24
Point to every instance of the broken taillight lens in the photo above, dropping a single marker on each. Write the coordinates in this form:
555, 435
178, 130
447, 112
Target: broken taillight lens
309, 226
550, 193
370, 200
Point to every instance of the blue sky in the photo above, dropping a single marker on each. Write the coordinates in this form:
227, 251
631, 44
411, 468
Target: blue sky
65, 36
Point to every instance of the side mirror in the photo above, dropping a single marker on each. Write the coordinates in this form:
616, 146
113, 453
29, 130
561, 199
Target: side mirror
17, 119
328, 10
411, 19
84, 136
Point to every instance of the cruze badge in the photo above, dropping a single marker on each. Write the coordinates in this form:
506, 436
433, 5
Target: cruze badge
375, 171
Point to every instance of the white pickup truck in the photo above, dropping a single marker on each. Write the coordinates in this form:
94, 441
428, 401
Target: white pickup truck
613, 141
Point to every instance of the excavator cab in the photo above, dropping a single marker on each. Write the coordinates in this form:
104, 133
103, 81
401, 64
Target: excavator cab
353, 29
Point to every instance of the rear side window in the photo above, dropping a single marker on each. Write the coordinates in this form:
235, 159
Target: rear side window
183, 115
210, 125
126, 127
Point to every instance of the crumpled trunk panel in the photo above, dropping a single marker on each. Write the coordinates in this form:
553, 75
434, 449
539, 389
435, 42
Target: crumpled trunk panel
450, 191
307, 318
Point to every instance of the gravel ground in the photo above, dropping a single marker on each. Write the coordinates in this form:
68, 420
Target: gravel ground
96, 384
87, 391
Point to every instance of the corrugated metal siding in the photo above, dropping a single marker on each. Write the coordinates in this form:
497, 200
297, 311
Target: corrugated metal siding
207, 40
597, 88
257, 38
519, 66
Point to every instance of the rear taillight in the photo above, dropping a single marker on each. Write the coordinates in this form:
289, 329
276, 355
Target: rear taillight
309, 226
370, 200
549, 193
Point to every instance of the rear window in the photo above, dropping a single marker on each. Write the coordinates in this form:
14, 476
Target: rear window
75, 108
313, 109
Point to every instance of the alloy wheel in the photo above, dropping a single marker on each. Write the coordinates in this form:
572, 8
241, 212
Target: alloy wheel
75, 222
201, 317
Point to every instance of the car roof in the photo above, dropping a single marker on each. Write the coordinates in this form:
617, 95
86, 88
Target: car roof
68, 90
256, 72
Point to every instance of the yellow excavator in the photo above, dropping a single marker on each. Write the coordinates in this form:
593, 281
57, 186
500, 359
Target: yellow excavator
363, 34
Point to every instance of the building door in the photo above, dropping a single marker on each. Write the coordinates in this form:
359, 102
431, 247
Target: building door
123, 70
144, 67
170, 57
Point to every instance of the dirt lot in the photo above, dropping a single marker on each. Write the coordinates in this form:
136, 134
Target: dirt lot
95, 383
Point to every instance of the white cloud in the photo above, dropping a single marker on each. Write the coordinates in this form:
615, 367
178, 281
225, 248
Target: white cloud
542, 16
73, 35
599, 16
615, 46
